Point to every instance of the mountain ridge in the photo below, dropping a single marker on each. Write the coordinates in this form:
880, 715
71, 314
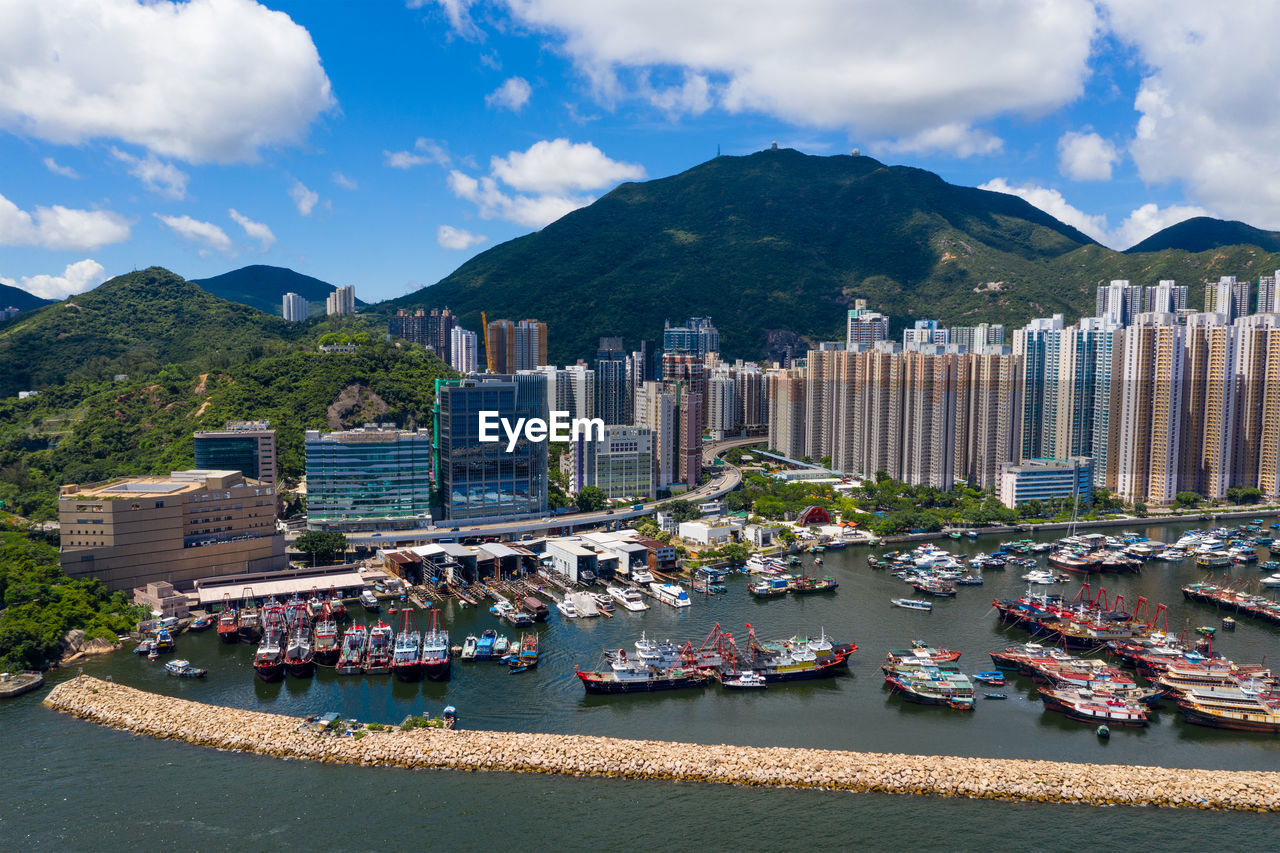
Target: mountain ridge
263, 287
1204, 233
16, 297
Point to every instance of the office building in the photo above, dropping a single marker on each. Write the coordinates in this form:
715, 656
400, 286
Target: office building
191, 524
480, 481
614, 382
341, 301
376, 477
245, 446
464, 354
622, 464
697, 336
295, 309
863, 326
1046, 479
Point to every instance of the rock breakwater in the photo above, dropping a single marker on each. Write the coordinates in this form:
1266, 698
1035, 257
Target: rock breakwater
154, 715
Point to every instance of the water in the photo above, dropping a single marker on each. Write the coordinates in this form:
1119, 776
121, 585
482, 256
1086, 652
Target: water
85, 787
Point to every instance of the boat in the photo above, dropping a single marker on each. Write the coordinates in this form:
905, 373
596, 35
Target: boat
1040, 576
369, 601
641, 576
993, 677
435, 649
935, 587
604, 602
670, 593
930, 684
228, 622
316, 604
501, 646
771, 587
748, 680
567, 608
327, 647
628, 597
377, 656
995, 696
809, 584
204, 623
527, 658
1213, 560
1242, 708
1228, 624
911, 604
268, 660
633, 675
795, 659
163, 643
337, 607
249, 619
1091, 705
484, 648
502, 608
351, 656
184, 669
969, 580
299, 655
1271, 580
535, 607
469, 647
406, 654
144, 647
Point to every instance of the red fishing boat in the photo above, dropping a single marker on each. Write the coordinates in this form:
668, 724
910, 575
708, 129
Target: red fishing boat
228, 626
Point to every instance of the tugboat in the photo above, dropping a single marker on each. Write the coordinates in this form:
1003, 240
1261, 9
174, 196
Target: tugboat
350, 659
228, 626
327, 649
377, 656
406, 660
268, 661
435, 650
300, 656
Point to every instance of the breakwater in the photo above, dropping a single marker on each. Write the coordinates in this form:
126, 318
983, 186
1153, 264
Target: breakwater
154, 715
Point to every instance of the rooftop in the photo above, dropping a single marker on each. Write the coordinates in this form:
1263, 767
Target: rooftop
179, 482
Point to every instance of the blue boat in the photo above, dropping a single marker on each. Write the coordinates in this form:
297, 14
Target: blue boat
484, 648
991, 676
995, 696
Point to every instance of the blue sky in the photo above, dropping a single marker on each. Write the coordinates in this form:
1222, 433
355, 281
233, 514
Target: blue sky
382, 143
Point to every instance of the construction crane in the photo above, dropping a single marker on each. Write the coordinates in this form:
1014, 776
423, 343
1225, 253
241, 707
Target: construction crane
488, 349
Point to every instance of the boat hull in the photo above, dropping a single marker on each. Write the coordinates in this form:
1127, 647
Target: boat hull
269, 671
1199, 718
408, 671
438, 670
1084, 715
301, 668
600, 685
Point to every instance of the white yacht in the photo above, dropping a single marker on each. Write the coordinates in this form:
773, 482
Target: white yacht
670, 593
628, 597
568, 608
641, 576
1040, 576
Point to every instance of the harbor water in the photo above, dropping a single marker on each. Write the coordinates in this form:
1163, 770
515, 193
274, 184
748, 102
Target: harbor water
86, 787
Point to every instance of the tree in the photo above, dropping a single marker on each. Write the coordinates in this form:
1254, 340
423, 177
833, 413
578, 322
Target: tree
1186, 499
592, 499
736, 553
1238, 495
683, 511
321, 545
1140, 509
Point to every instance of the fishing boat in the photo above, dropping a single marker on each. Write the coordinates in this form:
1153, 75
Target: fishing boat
1242, 708
316, 604
164, 642
299, 655
911, 604
351, 657
632, 675
249, 620
811, 584
184, 669
1090, 705
435, 649
628, 597
929, 684
935, 587
501, 646
268, 661
228, 624
772, 587
922, 650
745, 681
469, 647
327, 646
406, 654
527, 659
369, 601
484, 648
337, 607
795, 659
377, 656
670, 593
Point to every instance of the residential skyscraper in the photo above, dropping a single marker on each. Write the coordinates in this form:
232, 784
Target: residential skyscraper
864, 326
1119, 302
1167, 297
786, 391
621, 464
613, 390
1037, 346
464, 355
1268, 294
570, 389
341, 301
698, 336
924, 332
722, 404
975, 337
1150, 429
1227, 296
656, 409
516, 346
295, 309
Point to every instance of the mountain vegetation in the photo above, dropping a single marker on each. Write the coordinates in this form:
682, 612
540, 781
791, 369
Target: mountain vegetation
780, 242
1203, 233
14, 297
263, 287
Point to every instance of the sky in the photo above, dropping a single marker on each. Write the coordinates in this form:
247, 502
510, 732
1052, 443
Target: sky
382, 143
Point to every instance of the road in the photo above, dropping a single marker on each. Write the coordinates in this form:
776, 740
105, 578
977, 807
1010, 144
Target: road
724, 479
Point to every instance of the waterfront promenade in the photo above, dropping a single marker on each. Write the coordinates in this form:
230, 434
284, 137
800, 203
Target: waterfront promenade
155, 715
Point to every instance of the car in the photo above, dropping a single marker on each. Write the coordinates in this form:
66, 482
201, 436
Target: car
454, 529
608, 512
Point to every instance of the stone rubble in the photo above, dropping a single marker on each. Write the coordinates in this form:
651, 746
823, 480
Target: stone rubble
155, 715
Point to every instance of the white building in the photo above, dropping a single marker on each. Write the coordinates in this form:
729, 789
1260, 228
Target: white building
710, 531
341, 301
295, 308
464, 354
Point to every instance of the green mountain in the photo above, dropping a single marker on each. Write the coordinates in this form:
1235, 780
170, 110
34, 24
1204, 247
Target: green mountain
264, 287
1203, 233
15, 297
132, 324
779, 242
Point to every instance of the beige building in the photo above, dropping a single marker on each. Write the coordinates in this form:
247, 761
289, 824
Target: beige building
786, 390
188, 525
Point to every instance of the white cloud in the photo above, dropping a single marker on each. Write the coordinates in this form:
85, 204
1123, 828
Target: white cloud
692, 97
1137, 226
459, 14
76, 278
958, 139
204, 233
1209, 104
156, 175
424, 151
456, 238
64, 171
345, 182
550, 179
880, 70
1086, 156
201, 81
511, 95
303, 199
254, 230
59, 227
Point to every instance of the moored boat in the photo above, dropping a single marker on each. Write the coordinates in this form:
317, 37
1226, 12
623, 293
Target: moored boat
1089, 705
671, 594
327, 646
228, 624
351, 656
406, 654
184, 669
369, 601
377, 656
629, 597
299, 655
911, 604
268, 660
249, 620
745, 681
436, 653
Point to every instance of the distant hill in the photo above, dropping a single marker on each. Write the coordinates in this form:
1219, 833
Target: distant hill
133, 323
263, 287
1202, 233
15, 297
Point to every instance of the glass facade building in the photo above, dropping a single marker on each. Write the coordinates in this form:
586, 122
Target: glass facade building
245, 446
480, 480
370, 478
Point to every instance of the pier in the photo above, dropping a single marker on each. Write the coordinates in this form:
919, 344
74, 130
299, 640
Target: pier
153, 715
